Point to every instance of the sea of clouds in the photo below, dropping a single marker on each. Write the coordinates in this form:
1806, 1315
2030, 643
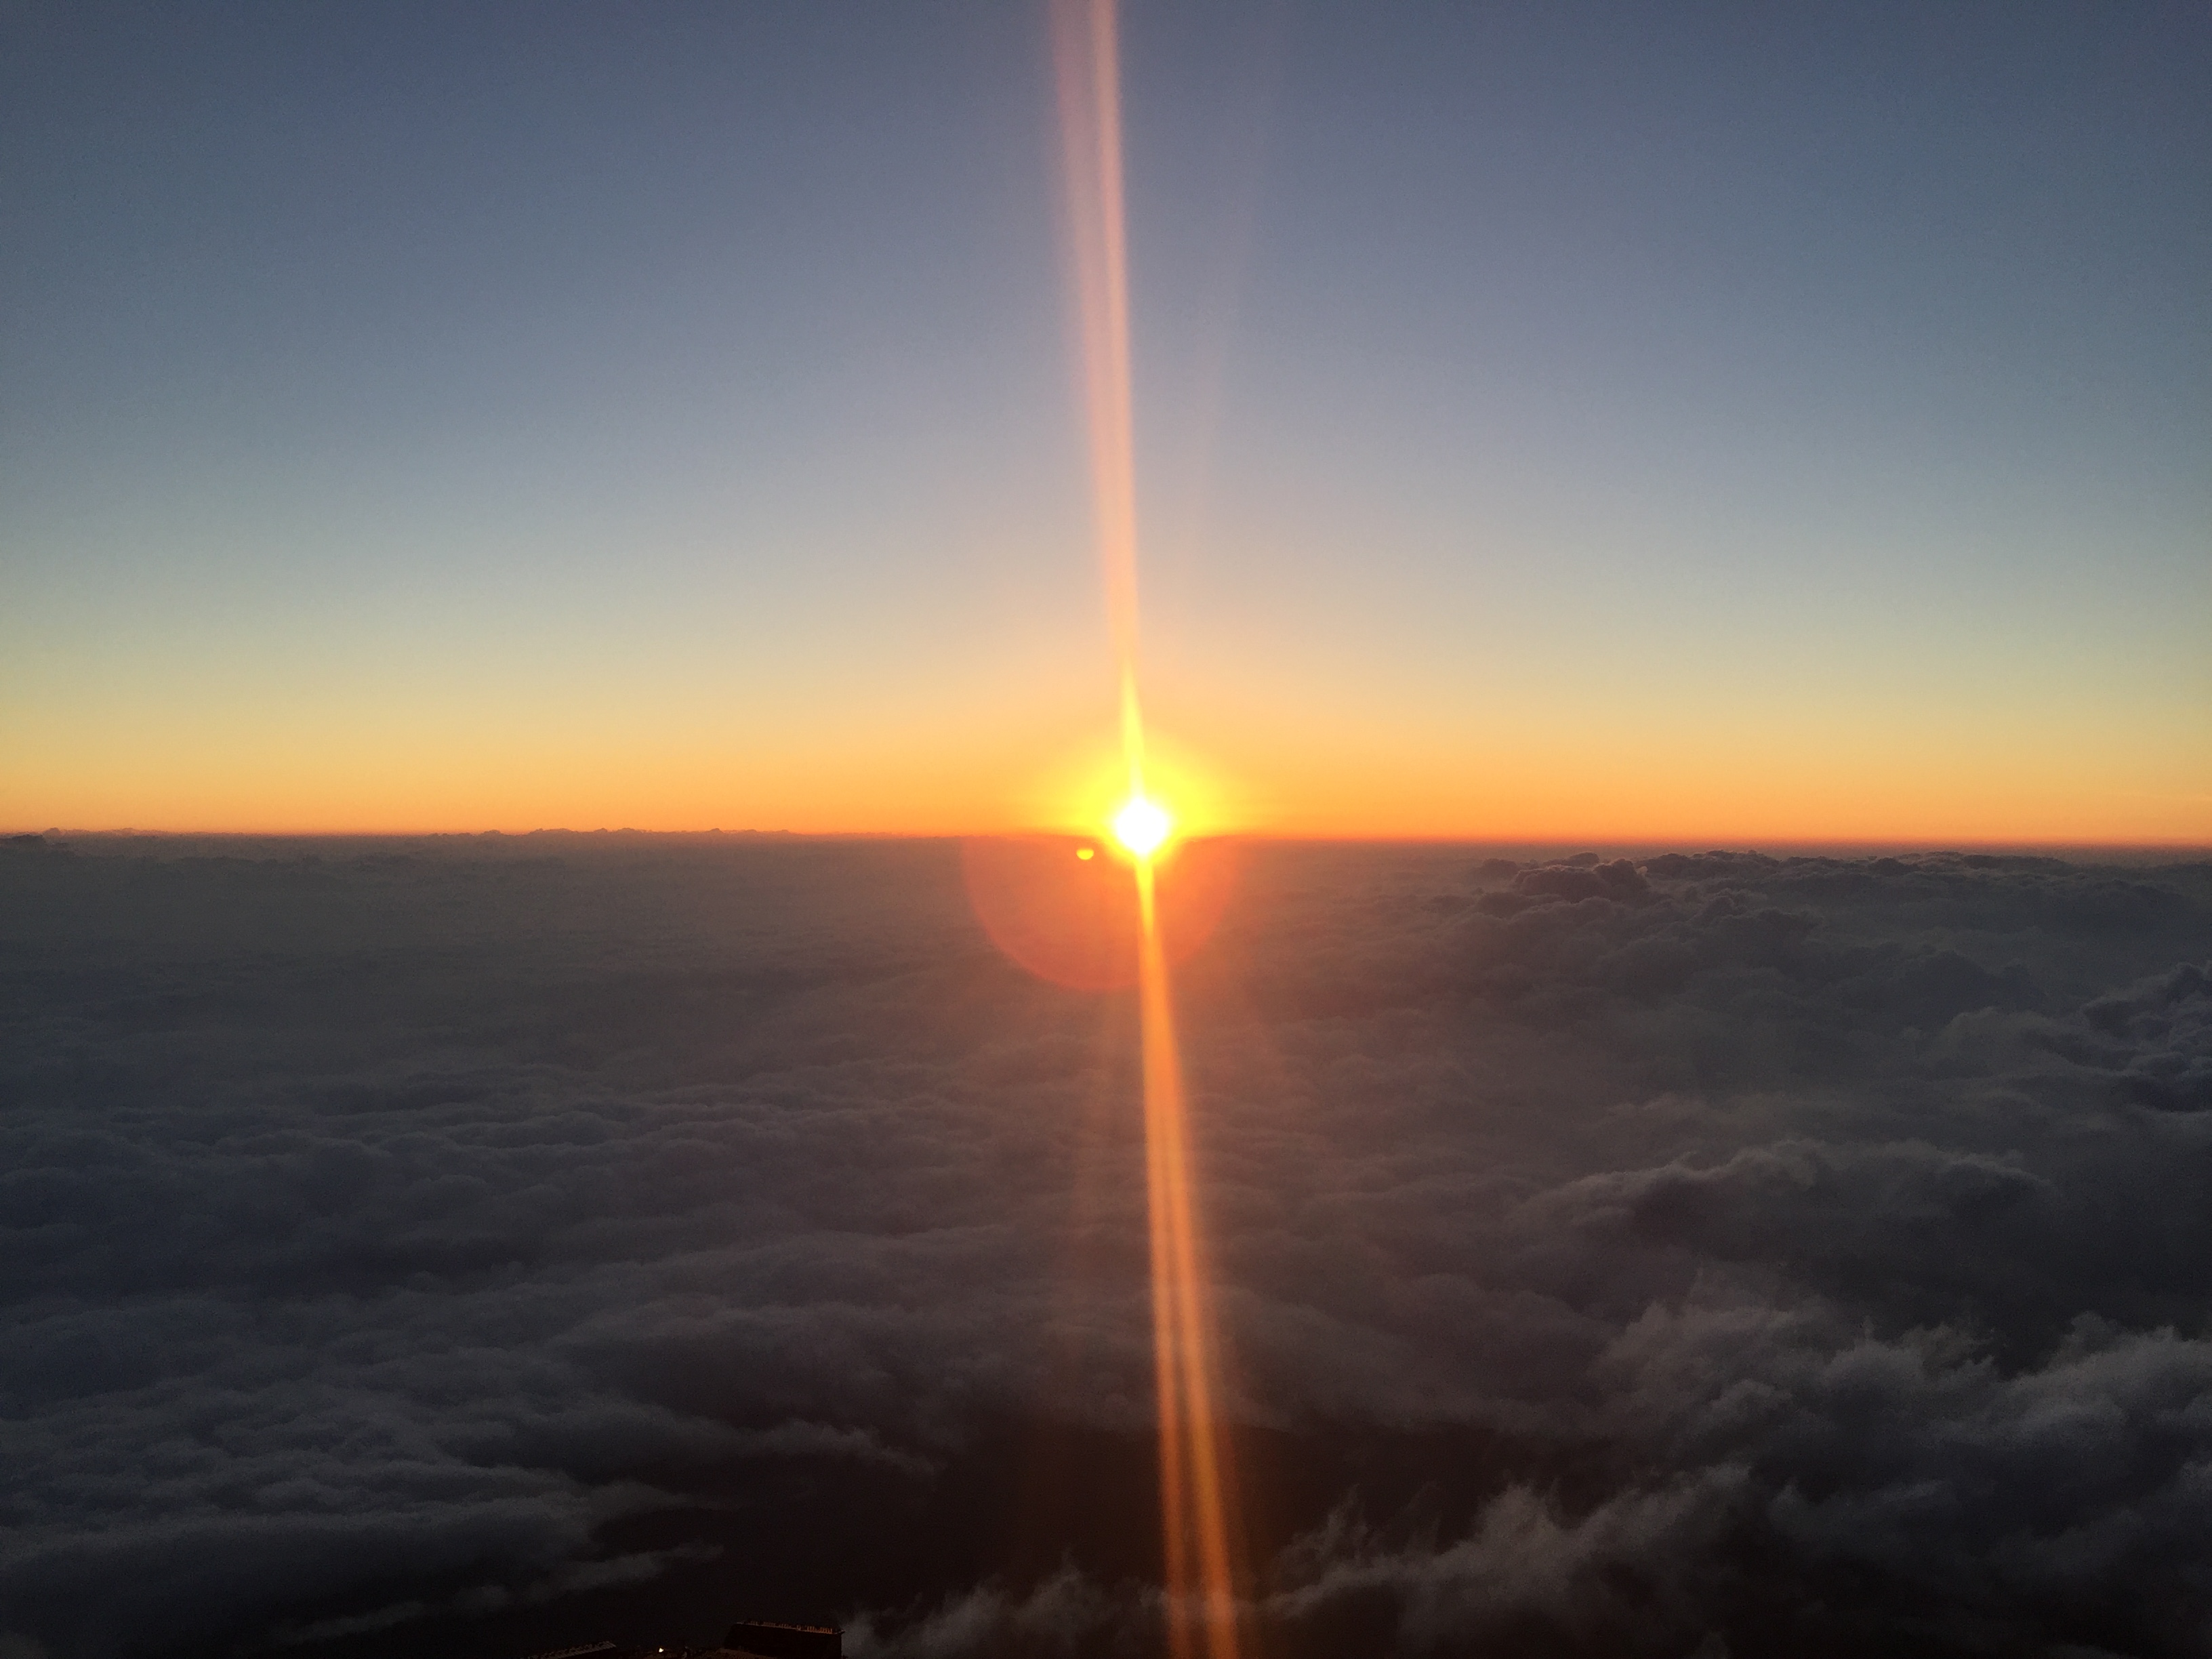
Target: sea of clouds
471, 1246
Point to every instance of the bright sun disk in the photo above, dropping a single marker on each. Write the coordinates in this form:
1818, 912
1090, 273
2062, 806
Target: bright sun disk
1142, 826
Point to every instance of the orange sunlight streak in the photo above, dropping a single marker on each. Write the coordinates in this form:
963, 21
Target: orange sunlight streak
1196, 1477
1195, 1460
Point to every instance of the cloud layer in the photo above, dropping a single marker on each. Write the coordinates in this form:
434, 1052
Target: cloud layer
457, 1245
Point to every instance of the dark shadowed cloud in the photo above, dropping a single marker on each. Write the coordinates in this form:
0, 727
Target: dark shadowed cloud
459, 1244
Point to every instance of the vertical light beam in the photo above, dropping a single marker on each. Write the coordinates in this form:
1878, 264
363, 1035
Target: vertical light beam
1196, 1485
1087, 57
1196, 1488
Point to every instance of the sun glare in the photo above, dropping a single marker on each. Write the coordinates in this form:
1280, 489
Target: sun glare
1142, 826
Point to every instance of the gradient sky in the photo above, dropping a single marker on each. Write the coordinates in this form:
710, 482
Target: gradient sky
1606, 421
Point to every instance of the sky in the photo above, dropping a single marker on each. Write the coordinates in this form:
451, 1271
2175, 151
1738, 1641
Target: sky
1592, 422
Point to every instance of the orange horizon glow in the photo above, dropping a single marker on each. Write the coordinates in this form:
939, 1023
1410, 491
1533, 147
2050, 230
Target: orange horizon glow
1522, 779
1799, 836
1082, 800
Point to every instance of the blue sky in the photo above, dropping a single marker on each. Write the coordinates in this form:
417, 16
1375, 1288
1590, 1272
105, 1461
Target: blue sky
449, 419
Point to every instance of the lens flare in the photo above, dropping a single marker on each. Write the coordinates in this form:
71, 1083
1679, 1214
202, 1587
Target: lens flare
1198, 1500
1143, 826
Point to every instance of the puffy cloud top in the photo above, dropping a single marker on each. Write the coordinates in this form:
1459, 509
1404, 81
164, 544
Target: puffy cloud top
457, 1245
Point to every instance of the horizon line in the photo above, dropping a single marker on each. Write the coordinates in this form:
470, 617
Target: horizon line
1545, 841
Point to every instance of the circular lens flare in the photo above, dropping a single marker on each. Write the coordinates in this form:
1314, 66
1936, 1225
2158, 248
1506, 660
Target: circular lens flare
1142, 826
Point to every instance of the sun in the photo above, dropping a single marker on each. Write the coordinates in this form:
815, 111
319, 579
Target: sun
1142, 826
